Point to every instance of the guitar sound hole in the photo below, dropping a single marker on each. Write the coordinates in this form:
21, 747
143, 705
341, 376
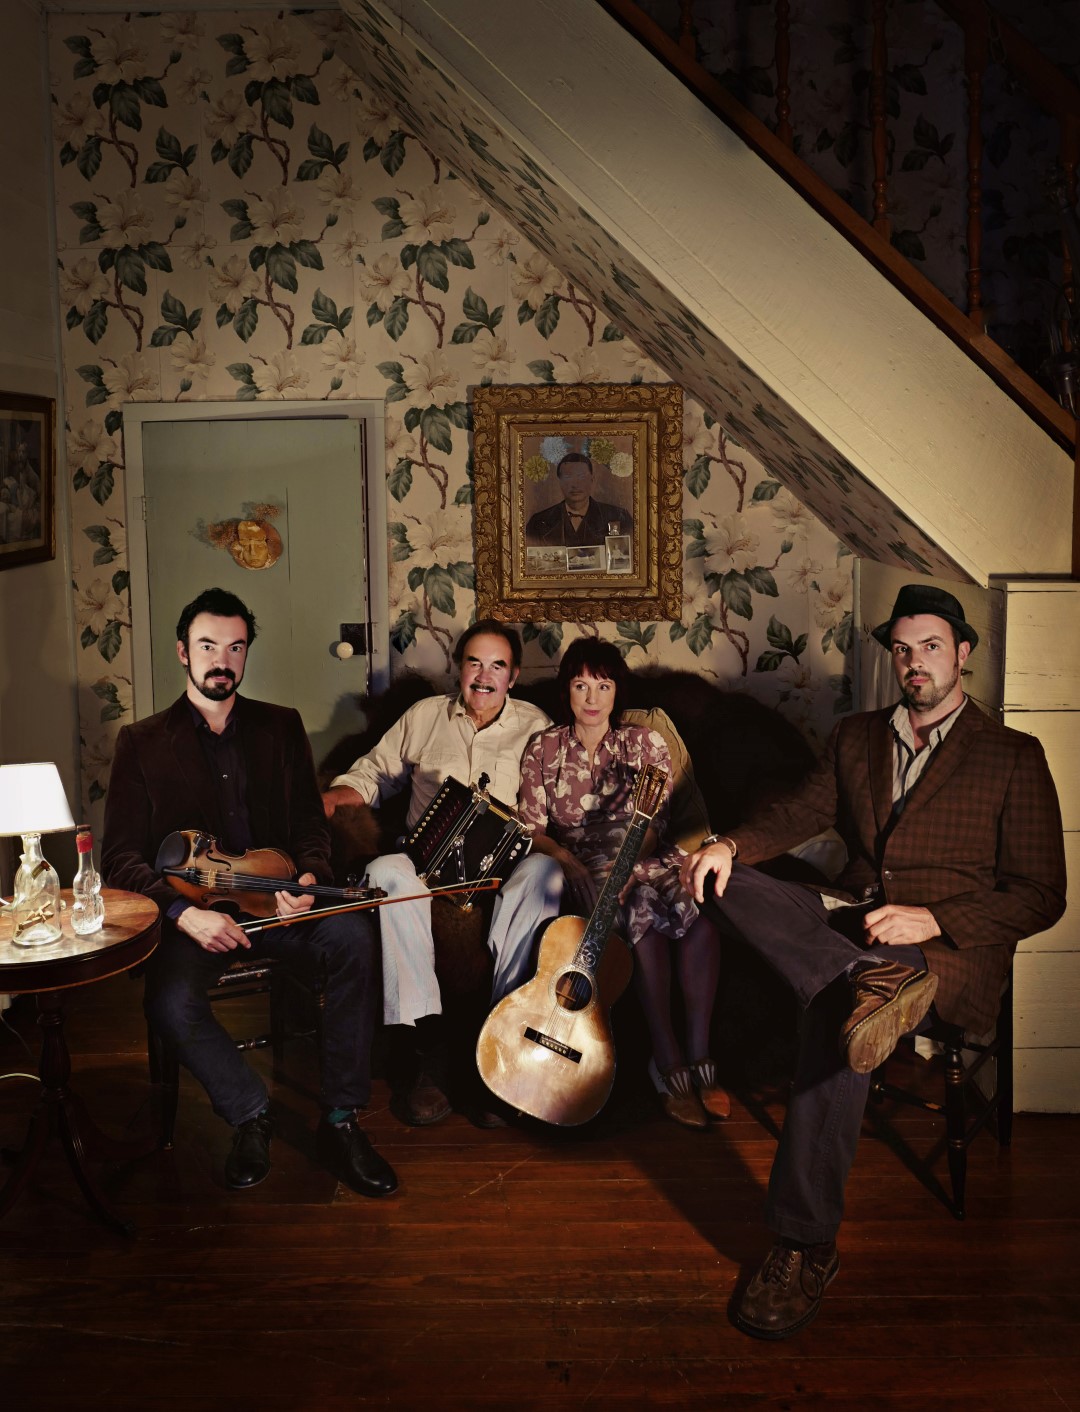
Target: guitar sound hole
573, 990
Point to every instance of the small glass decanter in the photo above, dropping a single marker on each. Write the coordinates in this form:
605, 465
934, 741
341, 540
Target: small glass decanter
88, 910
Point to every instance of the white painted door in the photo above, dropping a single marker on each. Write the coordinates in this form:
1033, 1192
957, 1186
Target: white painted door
302, 572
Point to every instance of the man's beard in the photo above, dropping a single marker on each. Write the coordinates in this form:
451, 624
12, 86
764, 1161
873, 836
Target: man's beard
933, 694
220, 691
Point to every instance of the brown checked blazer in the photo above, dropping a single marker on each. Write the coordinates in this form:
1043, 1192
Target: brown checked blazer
979, 843
160, 783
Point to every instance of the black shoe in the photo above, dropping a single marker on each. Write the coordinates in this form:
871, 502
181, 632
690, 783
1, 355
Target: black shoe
346, 1150
248, 1162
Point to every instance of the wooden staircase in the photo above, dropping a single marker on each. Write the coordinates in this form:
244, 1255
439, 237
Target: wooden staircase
894, 421
983, 32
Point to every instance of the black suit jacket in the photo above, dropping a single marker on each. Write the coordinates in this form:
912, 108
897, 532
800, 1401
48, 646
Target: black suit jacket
161, 783
551, 526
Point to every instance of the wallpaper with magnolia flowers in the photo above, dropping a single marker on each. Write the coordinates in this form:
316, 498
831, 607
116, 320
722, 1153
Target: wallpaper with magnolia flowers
239, 217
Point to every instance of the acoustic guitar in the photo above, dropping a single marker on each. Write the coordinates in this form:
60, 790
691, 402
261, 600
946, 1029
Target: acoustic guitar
546, 1048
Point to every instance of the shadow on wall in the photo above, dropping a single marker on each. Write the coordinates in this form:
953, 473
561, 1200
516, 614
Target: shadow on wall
743, 752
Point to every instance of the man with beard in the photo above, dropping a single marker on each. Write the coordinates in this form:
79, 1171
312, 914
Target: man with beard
242, 771
479, 729
955, 852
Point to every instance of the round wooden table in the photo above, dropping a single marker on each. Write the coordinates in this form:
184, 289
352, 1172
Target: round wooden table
128, 936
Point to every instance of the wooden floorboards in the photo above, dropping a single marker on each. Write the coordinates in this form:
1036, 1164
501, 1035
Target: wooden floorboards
517, 1268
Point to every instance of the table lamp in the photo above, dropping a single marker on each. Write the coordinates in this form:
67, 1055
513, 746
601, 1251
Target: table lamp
32, 802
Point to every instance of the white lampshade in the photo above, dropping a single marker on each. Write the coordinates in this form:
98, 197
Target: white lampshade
32, 800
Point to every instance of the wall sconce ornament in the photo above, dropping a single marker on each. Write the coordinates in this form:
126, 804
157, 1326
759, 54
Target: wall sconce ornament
251, 539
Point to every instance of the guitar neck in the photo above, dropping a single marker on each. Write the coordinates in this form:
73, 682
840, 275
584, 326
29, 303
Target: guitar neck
596, 932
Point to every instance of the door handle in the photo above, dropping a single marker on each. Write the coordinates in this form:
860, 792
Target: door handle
354, 639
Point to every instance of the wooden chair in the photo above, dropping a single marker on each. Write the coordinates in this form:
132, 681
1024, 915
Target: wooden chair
968, 1107
295, 1010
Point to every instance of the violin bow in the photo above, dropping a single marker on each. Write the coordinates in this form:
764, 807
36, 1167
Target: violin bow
259, 924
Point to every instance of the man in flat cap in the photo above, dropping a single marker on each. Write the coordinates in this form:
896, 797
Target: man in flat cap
955, 853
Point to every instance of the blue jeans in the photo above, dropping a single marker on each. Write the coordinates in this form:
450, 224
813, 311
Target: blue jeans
343, 949
789, 927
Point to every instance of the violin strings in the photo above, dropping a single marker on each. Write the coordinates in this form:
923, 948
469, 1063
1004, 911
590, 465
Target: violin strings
252, 882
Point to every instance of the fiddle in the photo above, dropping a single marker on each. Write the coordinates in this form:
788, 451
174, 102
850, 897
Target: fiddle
222, 884
210, 876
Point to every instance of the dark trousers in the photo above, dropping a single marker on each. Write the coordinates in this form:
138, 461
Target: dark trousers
790, 928
342, 949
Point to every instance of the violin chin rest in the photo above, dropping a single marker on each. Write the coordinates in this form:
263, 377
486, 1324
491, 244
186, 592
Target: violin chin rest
173, 852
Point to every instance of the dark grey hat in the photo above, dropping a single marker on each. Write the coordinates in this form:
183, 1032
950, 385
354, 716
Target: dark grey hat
916, 598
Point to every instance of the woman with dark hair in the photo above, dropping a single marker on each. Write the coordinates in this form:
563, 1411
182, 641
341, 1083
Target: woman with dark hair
577, 786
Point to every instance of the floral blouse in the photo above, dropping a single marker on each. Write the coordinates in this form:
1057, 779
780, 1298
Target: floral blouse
587, 809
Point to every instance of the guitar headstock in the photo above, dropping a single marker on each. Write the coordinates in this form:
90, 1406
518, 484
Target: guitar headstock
649, 791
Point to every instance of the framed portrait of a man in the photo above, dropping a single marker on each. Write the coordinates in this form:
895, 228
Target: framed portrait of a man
578, 496
27, 470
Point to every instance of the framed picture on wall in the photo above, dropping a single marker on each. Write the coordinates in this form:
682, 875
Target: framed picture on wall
578, 502
27, 478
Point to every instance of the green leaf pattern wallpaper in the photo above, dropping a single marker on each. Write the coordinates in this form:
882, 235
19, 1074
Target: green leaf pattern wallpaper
242, 217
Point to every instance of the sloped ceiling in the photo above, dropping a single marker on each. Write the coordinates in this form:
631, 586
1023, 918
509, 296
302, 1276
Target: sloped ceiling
730, 282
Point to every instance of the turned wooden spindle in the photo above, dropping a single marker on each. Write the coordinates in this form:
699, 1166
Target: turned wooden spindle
1076, 507
975, 56
1070, 156
687, 42
783, 77
879, 140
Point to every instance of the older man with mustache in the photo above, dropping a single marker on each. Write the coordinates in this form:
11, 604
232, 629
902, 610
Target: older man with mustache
479, 729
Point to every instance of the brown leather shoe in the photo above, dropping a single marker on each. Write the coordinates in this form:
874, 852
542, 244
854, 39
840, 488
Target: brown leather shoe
492, 1113
425, 1103
889, 1000
786, 1292
714, 1099
677, 1096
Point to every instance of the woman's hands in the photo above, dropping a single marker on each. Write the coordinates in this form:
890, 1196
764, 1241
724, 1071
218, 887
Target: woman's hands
581, 886
581, 889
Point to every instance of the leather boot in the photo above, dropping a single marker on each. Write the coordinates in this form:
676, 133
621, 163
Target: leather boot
786, 1292
889, 1000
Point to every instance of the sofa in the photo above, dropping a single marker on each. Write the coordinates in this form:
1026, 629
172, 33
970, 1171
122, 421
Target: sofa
730, 753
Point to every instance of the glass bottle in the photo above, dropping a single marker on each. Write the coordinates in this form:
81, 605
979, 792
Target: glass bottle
35, 908
88, 910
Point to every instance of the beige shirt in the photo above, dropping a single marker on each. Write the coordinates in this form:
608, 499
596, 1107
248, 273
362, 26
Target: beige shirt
436, 738
909, 762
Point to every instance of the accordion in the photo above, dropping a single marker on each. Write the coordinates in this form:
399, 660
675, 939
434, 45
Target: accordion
465, 836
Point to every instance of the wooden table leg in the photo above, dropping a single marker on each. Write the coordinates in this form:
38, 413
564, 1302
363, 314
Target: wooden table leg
59, 1111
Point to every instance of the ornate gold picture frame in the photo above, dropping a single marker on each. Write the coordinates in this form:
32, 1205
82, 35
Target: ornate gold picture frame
27, 477
578, 502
